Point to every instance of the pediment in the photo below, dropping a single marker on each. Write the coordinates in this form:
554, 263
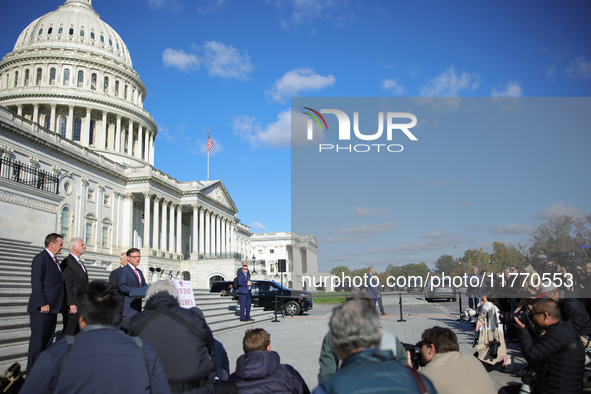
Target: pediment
218, 193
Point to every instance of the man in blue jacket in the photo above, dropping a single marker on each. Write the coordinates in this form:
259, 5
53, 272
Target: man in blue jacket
244, 294
100, 359
130, 278
355, 330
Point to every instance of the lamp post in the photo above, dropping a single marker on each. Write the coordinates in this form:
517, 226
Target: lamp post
254, 270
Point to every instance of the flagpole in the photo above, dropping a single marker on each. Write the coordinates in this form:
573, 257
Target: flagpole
208, 154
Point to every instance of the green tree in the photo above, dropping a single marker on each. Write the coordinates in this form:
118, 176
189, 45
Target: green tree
562, 234
504, 255
473, 257
447, 264
414, 269
341, 269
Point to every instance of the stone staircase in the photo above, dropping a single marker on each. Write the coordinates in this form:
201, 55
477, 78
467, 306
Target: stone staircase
221, 313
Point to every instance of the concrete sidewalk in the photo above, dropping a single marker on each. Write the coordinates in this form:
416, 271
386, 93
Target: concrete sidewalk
298, 340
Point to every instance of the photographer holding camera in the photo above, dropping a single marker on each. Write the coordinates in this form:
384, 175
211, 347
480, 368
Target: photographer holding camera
557, 355
451, 371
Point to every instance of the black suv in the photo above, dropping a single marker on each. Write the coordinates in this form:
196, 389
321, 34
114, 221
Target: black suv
263, 294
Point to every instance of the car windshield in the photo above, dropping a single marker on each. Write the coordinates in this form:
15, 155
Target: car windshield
278, 285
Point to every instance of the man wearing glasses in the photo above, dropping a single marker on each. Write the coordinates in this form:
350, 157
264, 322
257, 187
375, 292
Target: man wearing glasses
244, 295
130, 278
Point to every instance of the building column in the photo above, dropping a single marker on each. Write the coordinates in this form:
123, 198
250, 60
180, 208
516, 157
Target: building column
127, 221
102, 141
35, 113
130, 141
218, 238
52, 118
82, 212
70, 125
179, 229
232, 244
146, 143
163, 234
139, 153
194, 235
156, 230
201, 231
147, 200
171, 228
19, 109
118, 136
85, 134
151, 144
207, 232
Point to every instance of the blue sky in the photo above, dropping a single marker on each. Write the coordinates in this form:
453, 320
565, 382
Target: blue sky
233, 65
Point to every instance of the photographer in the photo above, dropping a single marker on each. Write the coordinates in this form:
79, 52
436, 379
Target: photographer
557, 356
491, 349
571, 310
450, 371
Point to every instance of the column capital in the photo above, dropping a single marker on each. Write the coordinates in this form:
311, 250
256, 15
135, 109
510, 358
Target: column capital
71, 107
53, 106
88, 110
55, 169
157, 198
165, 202
119, 118
179, 207
19, 106
147, 195
104, 113
83, 181
36, 105
33, 161
101, 187
128, 196
196, 207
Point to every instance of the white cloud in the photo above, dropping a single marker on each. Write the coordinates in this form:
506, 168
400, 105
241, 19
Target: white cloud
258, 226
450, 84
367, 212
513, 229
440, 183
345, 257
277, 134
434, 234
226, 61
202, 147
301, 12
173, 4
579, 68
296, 81
512, 90
179, 59
367, 230
556, 209
464, 204
393, 86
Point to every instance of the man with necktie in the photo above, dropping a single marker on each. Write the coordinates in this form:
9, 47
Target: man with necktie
244, 294
47, 289
75, 278
130, 277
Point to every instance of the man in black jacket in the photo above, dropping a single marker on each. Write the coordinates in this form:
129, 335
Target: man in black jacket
558, 356
75, 278
182, 340
258, 370
571, 309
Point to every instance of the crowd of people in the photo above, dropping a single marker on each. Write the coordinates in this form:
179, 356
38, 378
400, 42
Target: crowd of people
111, 344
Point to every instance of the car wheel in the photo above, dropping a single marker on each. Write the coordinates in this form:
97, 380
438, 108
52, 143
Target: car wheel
428, 299
292, 308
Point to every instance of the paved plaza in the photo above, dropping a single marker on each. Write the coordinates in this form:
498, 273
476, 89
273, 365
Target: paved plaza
298, 340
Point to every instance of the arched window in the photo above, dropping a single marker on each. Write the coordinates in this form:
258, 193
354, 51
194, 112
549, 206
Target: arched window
77, 129
106, 85
40, 31
110, 42
16, 79
60, 30
93, 81
92, 35
125, 93
65, 223
63, 124
26, 77
92, 128
66, 77
81, 33
80, 78
102, 38
52, 76
117, 88
39, 76
71, 31
50, 30
48, 122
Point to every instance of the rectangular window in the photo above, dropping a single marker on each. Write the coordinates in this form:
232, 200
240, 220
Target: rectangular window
117, 88
271, 251
90, 196
88, 240
260, 251
93, 81
26, 78
106, 85
16, 79
105, 240
272, 268
39, 76
80, 78
52, 76
106, 200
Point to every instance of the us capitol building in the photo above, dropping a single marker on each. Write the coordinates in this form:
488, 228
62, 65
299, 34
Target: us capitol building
78, 159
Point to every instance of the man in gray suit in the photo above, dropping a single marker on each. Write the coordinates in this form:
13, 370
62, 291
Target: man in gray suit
75, 278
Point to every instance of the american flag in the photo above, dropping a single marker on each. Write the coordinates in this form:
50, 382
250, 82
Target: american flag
209, 142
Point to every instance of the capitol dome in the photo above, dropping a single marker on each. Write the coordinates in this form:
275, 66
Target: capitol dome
71, 73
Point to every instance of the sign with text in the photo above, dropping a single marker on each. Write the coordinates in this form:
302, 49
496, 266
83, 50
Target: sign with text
185, 290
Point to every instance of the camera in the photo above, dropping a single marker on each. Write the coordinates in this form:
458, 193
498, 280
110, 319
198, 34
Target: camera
468, 313
415, 354
524, 316
12, 379
527, 375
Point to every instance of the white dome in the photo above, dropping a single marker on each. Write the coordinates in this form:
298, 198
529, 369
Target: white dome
74, 24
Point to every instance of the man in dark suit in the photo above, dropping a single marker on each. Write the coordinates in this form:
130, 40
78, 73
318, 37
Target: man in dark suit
130, 278
47, 285
244, 294
75, 277
113, 276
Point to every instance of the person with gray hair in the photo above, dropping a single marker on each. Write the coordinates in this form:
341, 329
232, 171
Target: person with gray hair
182, 339
75, 278
123, 260
354, 328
